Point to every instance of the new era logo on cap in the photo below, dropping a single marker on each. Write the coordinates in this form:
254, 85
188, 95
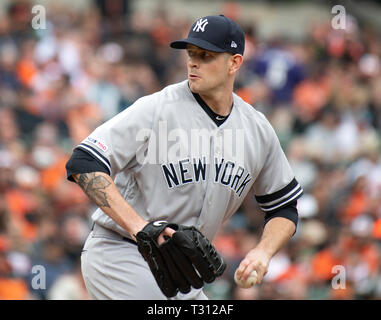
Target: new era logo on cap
214, 33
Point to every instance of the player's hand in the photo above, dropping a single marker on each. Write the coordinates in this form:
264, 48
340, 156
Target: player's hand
256, 259
167, 232
184, 258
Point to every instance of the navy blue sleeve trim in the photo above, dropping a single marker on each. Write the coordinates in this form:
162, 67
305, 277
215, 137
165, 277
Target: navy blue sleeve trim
289, 212
95, 153
82, 161
281, 198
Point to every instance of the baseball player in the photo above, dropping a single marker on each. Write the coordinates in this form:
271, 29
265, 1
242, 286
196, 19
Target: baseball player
184, 156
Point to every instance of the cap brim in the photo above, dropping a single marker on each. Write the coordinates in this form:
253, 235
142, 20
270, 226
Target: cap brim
182, 44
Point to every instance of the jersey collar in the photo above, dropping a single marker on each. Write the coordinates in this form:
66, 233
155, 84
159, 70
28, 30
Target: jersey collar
218, 119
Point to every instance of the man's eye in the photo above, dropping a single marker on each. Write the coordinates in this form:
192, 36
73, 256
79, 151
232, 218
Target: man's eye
201, 55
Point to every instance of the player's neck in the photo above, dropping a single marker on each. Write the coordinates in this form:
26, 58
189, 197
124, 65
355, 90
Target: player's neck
220, 102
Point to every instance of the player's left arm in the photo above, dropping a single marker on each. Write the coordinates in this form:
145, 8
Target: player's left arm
276, 191
277, 231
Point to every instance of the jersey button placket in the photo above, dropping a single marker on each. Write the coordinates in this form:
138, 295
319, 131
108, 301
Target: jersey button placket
215, 151
217, 143
210, 181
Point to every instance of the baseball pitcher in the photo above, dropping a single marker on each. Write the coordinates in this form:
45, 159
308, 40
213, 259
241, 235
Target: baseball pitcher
167, 171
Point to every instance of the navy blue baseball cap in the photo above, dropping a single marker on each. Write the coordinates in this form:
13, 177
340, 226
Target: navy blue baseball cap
214, 33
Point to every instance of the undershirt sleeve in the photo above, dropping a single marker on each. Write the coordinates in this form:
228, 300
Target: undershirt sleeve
289, 212
83, 162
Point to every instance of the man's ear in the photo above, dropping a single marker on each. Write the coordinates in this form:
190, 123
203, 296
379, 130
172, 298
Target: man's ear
236, 62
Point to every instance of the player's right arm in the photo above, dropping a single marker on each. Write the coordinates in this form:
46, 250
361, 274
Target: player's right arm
108, 150
101, 189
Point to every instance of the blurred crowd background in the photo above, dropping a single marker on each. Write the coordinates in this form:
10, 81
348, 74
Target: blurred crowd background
321, 92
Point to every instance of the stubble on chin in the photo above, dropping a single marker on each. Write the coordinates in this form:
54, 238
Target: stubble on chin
194, 88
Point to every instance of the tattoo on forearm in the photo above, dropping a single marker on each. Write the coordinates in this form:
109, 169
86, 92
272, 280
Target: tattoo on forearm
94, 186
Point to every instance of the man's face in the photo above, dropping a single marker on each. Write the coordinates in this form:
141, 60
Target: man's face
207, 70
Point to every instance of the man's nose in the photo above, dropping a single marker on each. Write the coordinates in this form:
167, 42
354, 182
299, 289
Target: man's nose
193, 63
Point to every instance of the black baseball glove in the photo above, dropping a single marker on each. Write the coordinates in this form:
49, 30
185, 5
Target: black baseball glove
185, 260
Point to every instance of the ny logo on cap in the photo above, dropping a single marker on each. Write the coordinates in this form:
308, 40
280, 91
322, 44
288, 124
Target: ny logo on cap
233, 44
200, 25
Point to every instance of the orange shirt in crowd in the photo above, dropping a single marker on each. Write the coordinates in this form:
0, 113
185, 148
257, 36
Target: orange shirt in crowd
322, 264
376, 230
356, 206
13, 289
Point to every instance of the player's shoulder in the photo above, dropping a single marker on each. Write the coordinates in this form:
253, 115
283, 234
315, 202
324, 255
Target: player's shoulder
174, 92
250, 112
164, 98
155, 101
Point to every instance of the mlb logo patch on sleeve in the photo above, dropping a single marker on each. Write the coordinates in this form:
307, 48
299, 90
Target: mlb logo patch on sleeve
99, 144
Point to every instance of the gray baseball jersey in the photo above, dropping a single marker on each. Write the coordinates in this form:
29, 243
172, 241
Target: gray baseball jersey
170, 160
